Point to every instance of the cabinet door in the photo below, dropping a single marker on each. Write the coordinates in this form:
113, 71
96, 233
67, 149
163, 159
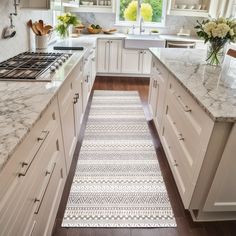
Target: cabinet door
161, 76
35, 4
103, 55
115, 50
146, 62
153, 92
67, 110
131, 61
222, 195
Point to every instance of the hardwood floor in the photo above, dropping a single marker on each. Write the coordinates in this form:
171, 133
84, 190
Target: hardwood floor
185, 226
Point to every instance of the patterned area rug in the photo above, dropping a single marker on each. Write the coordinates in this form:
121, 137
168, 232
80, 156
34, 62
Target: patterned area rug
118, 182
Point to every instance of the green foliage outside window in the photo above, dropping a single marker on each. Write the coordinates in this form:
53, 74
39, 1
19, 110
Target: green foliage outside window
151, 10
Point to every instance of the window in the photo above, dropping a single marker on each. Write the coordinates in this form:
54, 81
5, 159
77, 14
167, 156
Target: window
130, 12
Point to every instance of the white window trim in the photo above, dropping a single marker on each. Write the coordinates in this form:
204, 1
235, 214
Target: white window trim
161, 24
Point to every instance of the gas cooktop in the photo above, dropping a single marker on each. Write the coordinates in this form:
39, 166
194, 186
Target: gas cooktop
31, 66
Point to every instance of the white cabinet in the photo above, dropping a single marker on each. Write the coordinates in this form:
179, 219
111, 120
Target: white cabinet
157, 91
221, 8
200, 152
136, 61
222, 195
34, 177
109, 56
70, 103
198, 8
41, 4
99, 6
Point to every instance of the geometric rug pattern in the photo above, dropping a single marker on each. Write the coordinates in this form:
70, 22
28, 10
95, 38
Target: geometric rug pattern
118, 182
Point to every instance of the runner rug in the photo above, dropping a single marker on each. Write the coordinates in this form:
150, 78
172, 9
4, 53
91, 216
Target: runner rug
118, 182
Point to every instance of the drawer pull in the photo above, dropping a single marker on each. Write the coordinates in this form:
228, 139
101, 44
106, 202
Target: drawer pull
176, 164
26, 164
39, 199
77, 95
181, 138
185, 107
75, 100
43, 136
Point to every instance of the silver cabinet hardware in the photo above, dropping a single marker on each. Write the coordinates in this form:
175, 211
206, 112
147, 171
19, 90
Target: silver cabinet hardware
184, 107
26, 164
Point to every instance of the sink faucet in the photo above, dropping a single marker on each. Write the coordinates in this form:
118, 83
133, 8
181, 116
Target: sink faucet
141, 30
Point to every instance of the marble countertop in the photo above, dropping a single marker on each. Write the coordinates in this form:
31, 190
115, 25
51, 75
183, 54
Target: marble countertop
93, 37
23, 103
214, 89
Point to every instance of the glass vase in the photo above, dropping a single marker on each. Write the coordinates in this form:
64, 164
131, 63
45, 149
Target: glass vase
215, 53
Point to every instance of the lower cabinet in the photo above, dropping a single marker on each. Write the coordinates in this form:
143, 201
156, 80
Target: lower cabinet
109, 55
67, 98
157, 92
112, 58
136, 61
199, 150
32, 182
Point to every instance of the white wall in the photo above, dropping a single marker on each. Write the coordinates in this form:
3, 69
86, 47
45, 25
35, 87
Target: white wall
21, 42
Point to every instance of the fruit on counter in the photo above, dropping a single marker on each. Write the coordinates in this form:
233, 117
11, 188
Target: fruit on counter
95, 26
155, 31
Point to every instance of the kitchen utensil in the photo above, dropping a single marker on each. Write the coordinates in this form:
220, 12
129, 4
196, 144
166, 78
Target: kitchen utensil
35, 29
9, 32
30, 23
46, 29
39, 27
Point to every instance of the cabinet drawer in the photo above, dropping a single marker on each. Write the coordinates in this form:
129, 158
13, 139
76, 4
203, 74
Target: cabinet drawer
188, 140
176, 162
193, 113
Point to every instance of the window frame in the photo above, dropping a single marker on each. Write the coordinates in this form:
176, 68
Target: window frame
145, 24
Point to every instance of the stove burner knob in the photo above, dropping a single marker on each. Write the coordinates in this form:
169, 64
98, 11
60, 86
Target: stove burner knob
56, 64
53, 68
66, 56
63, 59
60, 62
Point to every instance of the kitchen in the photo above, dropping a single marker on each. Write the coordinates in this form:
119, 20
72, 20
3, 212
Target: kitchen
85, 118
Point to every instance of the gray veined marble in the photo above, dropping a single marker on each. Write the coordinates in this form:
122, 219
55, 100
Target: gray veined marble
214, 89
23, 103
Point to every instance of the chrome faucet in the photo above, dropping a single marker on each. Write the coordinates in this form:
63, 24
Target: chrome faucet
141, 30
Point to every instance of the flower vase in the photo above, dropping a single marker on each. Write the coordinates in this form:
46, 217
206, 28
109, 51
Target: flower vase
215, 53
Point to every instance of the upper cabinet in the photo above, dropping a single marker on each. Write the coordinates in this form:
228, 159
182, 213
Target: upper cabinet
222, 8
202, 8
198, 8
90, 5
41, 4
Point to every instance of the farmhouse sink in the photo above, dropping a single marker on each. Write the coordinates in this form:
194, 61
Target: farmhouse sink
143, 41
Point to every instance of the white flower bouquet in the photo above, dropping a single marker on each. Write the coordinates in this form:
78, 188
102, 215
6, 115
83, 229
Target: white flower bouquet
216, 32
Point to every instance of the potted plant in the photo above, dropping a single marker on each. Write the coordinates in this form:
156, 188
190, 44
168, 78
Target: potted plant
64, 22
217, 33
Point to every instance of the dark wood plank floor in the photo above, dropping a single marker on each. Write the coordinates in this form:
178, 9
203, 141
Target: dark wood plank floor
185, 226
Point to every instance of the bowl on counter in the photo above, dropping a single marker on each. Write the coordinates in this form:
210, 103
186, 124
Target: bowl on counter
94, 31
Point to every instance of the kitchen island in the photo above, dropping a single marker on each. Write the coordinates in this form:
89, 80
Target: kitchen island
193, 107
39, 128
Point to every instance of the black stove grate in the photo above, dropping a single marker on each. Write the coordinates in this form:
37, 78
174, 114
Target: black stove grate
28, 65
